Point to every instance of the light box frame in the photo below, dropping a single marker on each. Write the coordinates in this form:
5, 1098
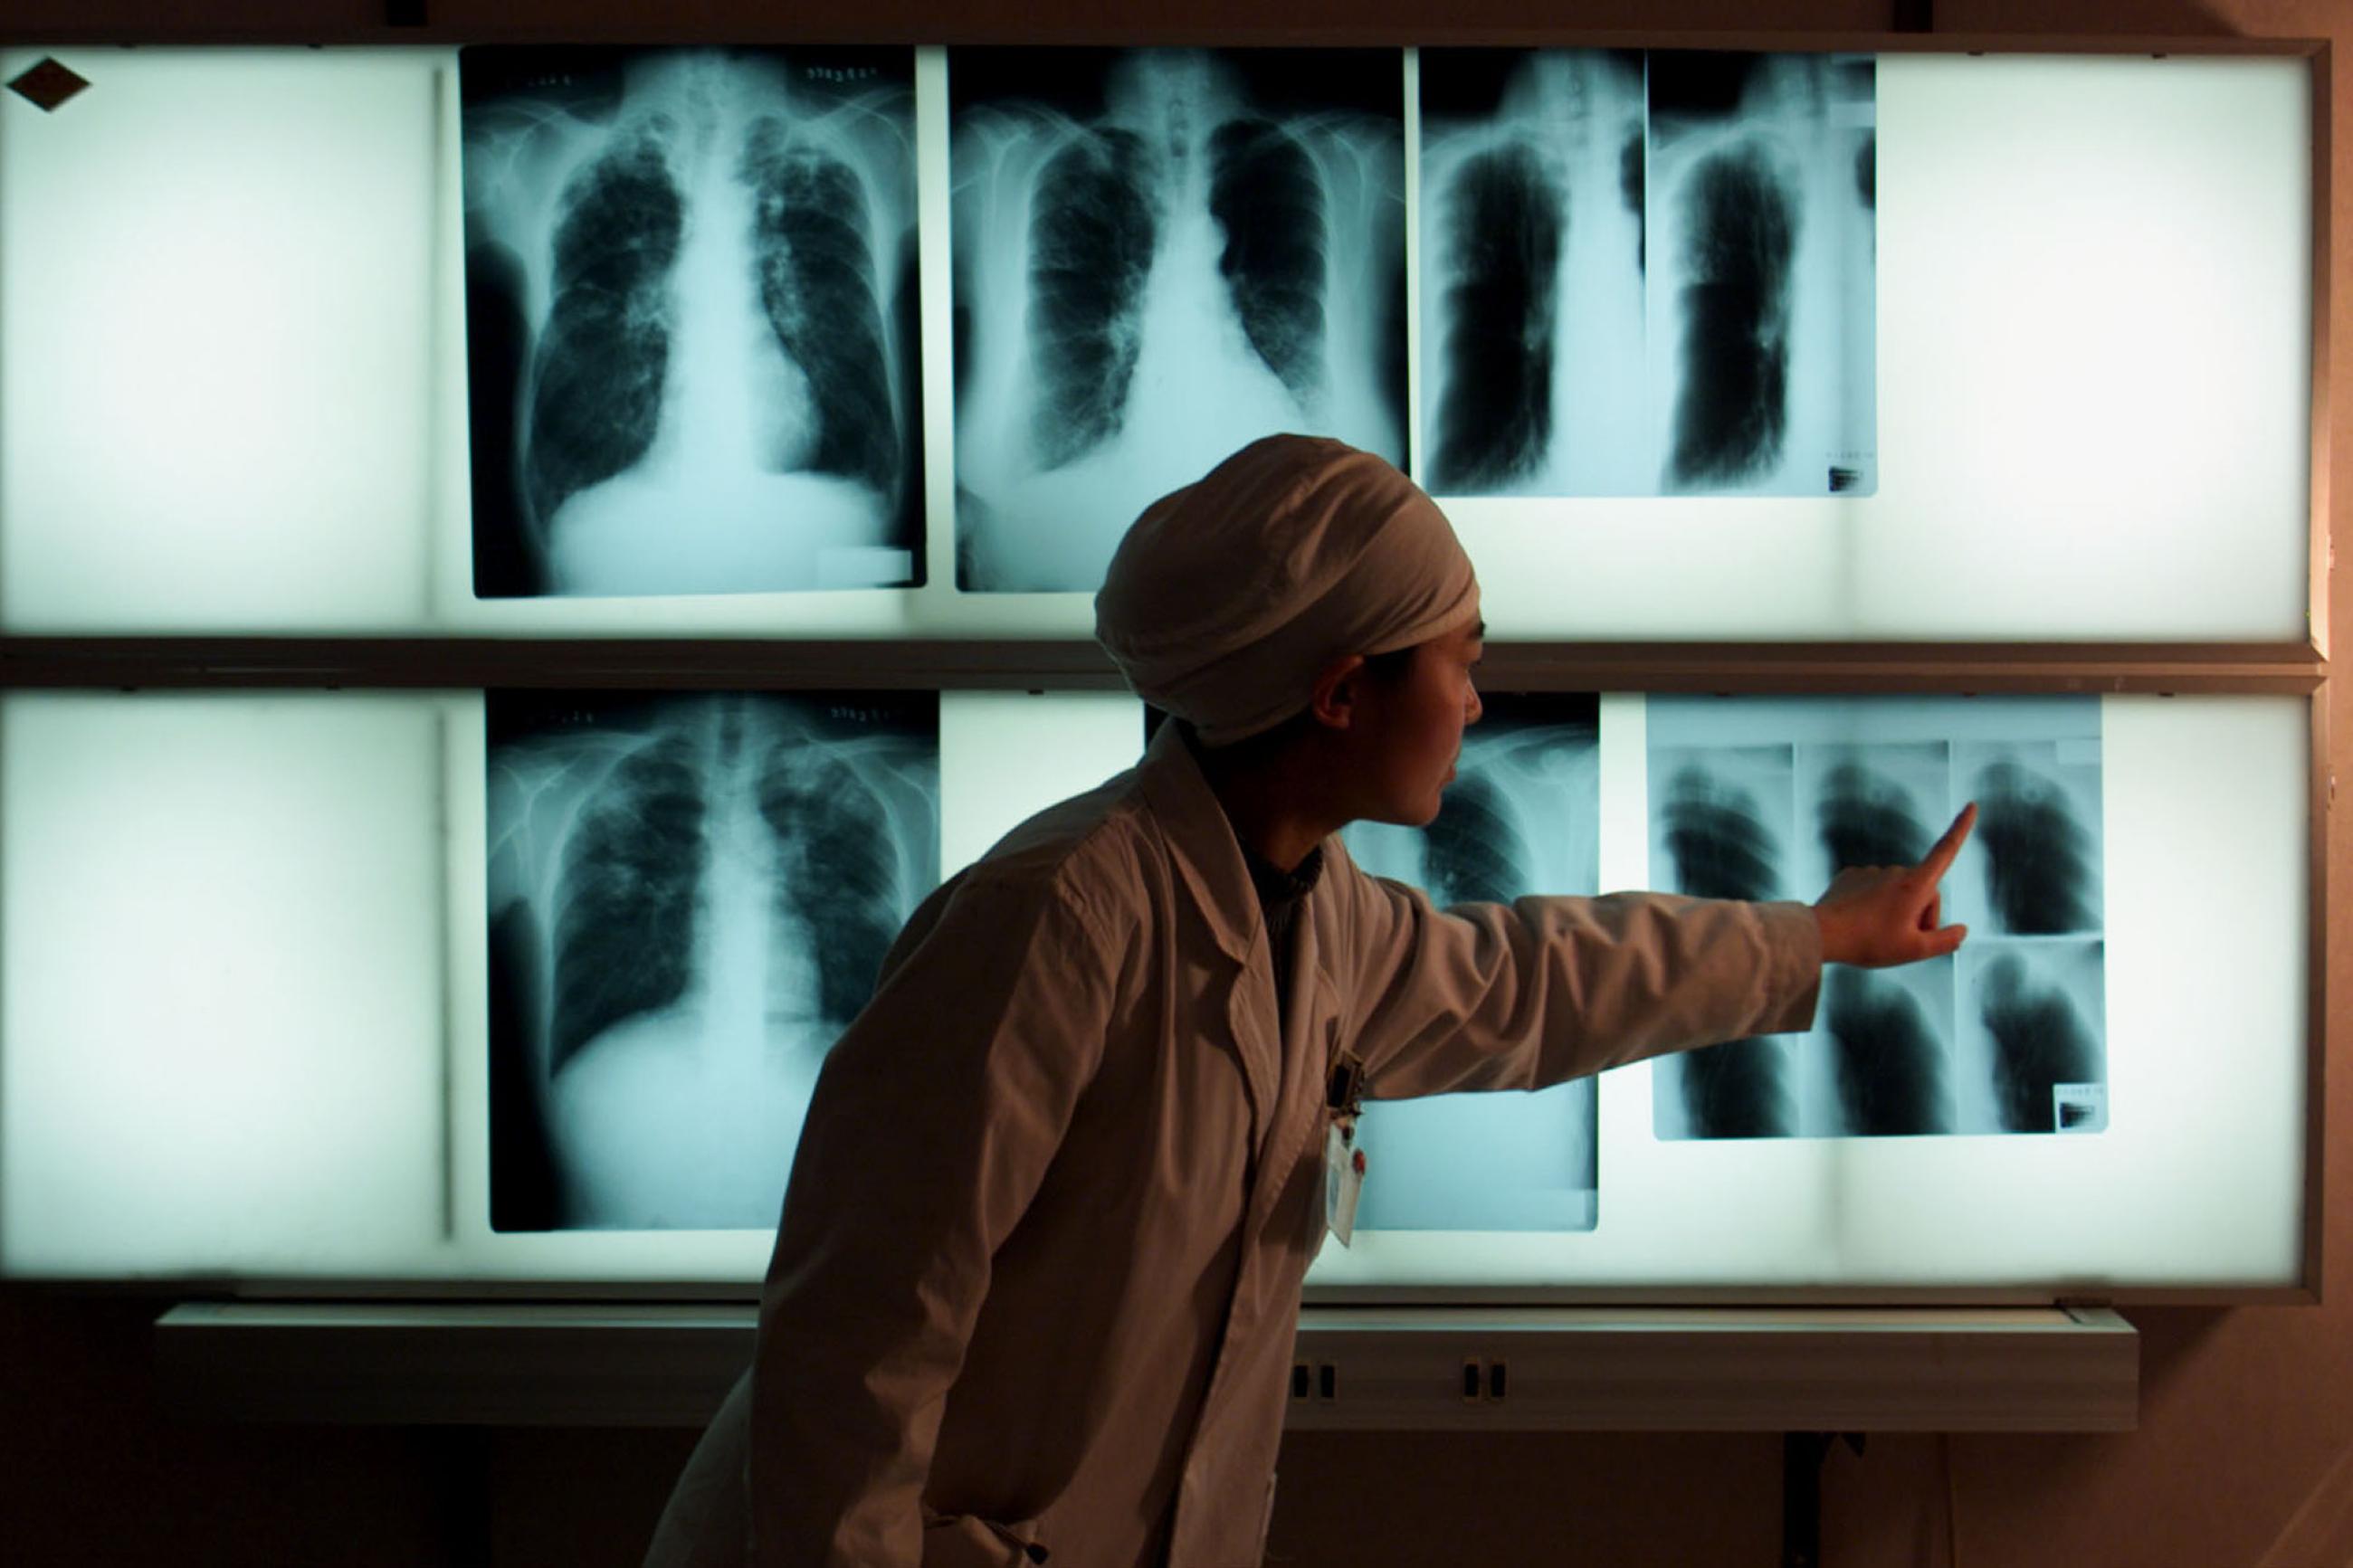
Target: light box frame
310, 663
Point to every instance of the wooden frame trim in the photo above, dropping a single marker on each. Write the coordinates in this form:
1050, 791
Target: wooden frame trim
1618, 1369
177, 33
124, 663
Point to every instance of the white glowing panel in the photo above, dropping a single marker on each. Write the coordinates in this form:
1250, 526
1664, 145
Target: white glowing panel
2197, 1178
2093, 374
223, 981
218, 300
235, 373
247, 1002
1014, 753
247, 1019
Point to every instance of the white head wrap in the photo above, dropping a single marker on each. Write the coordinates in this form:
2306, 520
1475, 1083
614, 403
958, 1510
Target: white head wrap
1228, 598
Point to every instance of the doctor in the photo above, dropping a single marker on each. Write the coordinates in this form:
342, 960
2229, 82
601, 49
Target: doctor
1037, 1276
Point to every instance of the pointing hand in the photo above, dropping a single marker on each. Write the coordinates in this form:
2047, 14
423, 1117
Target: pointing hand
1875, 916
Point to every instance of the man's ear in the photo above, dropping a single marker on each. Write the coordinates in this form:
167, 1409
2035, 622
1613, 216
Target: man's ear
1333, 704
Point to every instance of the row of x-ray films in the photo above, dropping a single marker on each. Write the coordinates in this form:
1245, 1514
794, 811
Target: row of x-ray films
690, 895
1770, 800
694, 293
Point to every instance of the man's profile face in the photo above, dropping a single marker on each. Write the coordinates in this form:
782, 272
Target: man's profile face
1410, 731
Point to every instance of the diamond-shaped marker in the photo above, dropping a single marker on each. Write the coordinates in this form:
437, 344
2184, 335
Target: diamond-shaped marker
48, 85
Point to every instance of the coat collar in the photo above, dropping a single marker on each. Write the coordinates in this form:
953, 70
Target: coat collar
1209, 858
1201, 841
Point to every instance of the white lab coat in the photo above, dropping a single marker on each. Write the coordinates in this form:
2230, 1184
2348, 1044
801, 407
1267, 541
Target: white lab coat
1038, 1276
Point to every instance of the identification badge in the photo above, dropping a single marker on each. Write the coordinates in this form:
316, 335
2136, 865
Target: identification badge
1344, 1178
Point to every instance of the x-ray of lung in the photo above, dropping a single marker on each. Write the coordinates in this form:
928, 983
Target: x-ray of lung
1521, 817
2034, 1031
689, 897
1771, 798
1890, 1034
1161, 255
691, 319
1721, 828
2033, 867
1648, 274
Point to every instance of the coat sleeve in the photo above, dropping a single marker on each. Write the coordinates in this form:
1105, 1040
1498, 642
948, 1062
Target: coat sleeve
1520, 995
931, 1127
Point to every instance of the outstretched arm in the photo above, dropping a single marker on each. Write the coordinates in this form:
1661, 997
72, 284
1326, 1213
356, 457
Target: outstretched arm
1523, 994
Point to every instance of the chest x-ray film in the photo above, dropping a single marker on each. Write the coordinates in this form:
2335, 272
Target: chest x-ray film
1521, 816
1160, 255
691, 319
1648, 274
1771, 798
690, 896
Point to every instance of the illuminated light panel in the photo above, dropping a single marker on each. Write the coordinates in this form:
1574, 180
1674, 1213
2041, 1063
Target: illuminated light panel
235, 376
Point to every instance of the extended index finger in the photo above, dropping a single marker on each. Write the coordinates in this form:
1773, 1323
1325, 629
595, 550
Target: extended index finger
1940, 857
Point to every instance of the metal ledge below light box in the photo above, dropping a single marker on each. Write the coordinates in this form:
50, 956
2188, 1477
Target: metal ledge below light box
2035, 1369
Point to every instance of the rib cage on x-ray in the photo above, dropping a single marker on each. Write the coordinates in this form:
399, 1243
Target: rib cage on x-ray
597, 380
1094, 229
1648, 275
1763, 261
625, 898
1267, 195
1160, 255
694, 896
1473, 851
1889, 1054
1866, 818
1091, 236
1522, 817
1878, 1061
1774, 797
689, 281
1532, 239
1504, 225
1722, 844
2040, 879
1732, 407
